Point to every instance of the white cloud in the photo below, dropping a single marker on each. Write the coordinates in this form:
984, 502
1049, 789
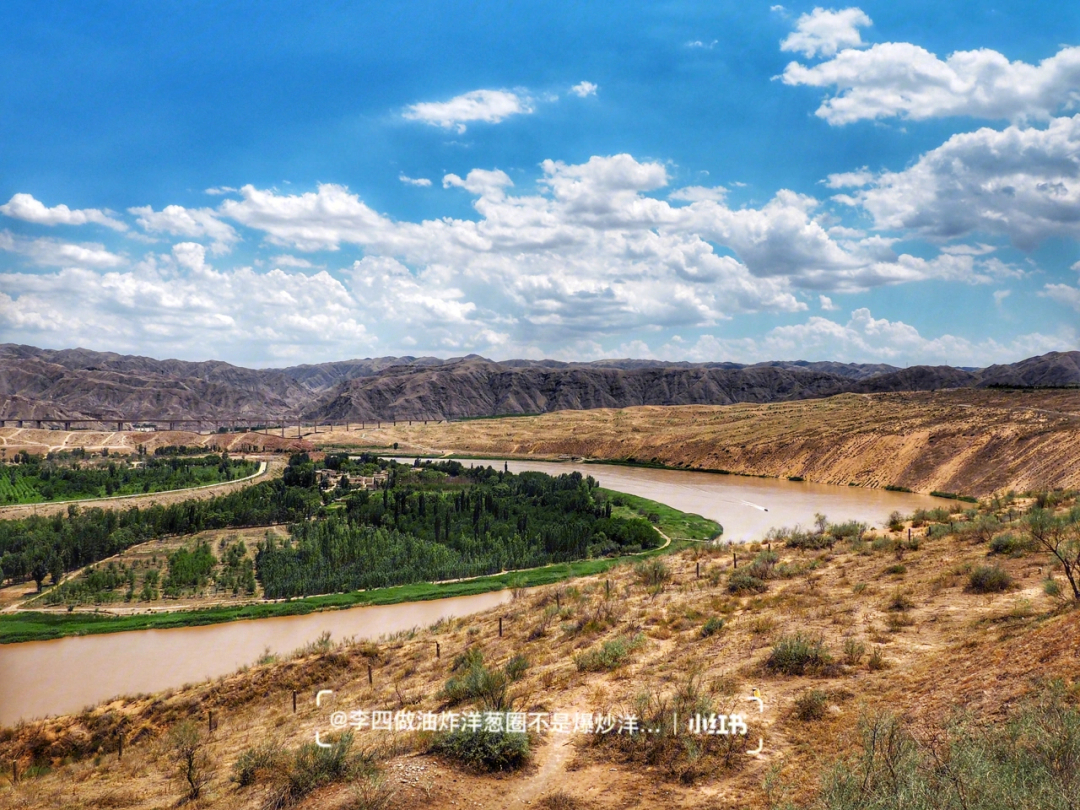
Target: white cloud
866, 339
481, 182
1063, 294
856, 179
968, 250
28, 209
414, 181
587, 251
827, 304
899, 79
823, 32
697, 43
1022, 183
191, 222
1000, 296
54, 253
285, 260
217, 191
698, 193
488, 106
584, 89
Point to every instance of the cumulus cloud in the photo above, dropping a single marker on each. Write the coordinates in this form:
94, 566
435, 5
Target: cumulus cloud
54, 253
1023, 183
823, 32
487, 106
414, 181
177, 304
176, 220
827, 303
584, 89
28, 209
866, 339
586, 251
899, 79
1063, 294
855, 179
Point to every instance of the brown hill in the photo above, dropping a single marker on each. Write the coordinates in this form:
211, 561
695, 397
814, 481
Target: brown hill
78, 383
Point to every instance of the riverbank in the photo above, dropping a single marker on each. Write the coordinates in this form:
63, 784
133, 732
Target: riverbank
891, 635
967, 441
678, 528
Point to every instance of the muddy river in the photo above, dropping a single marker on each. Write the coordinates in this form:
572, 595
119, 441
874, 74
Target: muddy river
66, 675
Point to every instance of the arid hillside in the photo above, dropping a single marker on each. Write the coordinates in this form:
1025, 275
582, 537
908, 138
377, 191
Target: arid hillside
966, 441
832, 635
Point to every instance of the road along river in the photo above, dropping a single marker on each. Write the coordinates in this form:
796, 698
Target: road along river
54, 677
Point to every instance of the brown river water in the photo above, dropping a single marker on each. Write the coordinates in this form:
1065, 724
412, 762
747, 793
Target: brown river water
56, 677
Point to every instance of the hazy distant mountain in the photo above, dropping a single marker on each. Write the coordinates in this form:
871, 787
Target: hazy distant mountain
78, 383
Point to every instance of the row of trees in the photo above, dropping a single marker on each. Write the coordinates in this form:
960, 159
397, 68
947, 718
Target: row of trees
35, 479
445, 521
36, 547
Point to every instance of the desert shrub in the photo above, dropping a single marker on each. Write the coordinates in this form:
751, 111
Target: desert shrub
670, 750
848, 530
883, 544
713, 626
192, 765
900, 601
741, 582
798, 654
1051, 587
484, 750
877, 661
561, 801
313, 766
257, 763
809, 540
474, 681
896, 570
612, 654
854, 650
988, 579
1010, 544
763, 565
653, 574
1033, 756
373, 793
896, 521
811, 705
516, 667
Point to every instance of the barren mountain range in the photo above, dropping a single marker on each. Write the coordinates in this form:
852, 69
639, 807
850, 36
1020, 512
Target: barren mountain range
80, 384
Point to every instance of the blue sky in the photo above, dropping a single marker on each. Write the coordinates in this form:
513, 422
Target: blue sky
276, 184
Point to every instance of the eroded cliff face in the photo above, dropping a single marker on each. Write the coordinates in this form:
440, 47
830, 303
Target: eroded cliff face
967, 441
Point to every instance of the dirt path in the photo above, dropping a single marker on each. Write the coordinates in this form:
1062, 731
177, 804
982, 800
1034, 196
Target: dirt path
552, 759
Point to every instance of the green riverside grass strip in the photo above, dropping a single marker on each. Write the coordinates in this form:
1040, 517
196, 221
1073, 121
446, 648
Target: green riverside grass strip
682, 527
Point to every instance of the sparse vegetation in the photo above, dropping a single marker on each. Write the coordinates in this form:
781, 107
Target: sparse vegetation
611, 654
989, 579
798, 654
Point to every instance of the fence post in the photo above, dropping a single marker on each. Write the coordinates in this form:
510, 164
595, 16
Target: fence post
294, 701
119, 745
438, 652
500, 627
370, 680
698, 567
734, 560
